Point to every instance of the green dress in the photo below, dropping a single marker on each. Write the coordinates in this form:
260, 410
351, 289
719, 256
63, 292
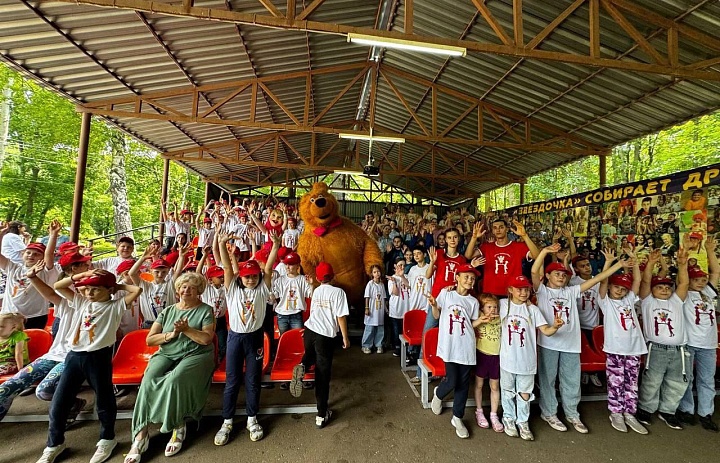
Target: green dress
177, 380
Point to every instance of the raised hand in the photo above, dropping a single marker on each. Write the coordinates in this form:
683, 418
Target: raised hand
682, 256
710, 245
275, 237
432, 254
558, 322
519, 228
479, 230
487, 318
35, 269
553, 248
478, 261
609, 254
224, 237
654, 256
388, 247
54, 227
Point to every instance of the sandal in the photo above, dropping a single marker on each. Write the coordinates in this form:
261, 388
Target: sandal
137, 449
176, 441
481, 420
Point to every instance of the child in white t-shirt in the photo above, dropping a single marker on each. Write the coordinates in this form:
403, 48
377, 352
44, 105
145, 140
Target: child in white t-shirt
159, 293
701, 326
665, 375
290, 291
328, 315
214, 296
559, 355
90, 358
623, 343
291, 235
399, 290
588, 309
487, 350
459, 313
420, 286
375, 309
518, 354
247, 299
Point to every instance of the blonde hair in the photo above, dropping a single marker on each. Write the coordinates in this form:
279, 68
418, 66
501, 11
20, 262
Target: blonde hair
193, 279
15, 317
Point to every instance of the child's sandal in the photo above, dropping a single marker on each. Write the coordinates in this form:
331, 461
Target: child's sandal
481, 420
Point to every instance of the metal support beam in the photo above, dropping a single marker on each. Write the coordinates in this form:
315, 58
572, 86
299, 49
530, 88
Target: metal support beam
602, 174
207, 191
80, 176
522, 193
164, 195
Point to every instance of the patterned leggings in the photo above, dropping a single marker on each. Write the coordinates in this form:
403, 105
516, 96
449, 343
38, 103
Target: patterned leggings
622, 383
47, 372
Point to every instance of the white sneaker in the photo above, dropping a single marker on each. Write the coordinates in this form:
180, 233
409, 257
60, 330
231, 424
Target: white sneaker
104, 450
256, 431
366, 350
510, 428
634, 424
222, 436
380, 350
525, 433
595, 380
436, 404
460, 428
51, 453
554, 422
618, 422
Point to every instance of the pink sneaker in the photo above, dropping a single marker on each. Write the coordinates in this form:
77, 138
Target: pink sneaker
481, 420
496, 423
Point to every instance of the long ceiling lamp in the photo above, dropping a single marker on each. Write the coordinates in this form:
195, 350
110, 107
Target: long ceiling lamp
410, 45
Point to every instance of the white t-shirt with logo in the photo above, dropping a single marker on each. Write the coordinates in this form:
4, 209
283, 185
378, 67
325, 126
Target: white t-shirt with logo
375, 292
96, 324
518, 337
419, 287
61, 344
155, 297
623, 334
291, 294
21, 296
243, 240
456, 336
563, 302
701, 318
663, 320
328, 304
290, 238
401, 303
246, 307
215, 298
587, 304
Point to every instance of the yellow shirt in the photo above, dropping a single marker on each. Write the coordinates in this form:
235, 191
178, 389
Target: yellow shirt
488, 340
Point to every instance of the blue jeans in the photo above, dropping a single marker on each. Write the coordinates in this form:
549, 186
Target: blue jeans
513, 405
662, 386
373, 336
289, 322
45, 371
705, 365
247, 349
430, 322
396, 332
552, 363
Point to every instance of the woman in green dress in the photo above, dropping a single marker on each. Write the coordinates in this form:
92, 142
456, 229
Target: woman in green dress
177, 380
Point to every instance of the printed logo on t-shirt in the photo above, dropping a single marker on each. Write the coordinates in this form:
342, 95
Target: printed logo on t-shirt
157, 302
662, 320
587, 300
456, 316
516, 329
217, 304
450, 270
378, 301
420, 285
21, 285
704, 312
561, 308
626, 318
502, 260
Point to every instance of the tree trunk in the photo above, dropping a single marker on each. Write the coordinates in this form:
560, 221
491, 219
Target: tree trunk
118, 185
30, 204
5, 101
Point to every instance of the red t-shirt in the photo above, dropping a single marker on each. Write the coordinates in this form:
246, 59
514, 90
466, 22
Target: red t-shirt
445, 270
502, 263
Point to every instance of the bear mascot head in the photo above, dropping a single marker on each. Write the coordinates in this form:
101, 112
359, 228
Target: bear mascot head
329, 237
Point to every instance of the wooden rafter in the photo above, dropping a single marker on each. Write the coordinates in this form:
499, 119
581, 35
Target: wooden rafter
507, 47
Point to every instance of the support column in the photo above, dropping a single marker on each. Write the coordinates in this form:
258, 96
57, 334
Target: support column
164, 196
522, 193
207, 193
603, 170
80, 176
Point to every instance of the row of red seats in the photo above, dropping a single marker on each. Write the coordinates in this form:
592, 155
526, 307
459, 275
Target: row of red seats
38, 345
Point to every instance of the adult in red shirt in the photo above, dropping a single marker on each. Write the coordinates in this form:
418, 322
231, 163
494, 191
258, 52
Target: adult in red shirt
503, 258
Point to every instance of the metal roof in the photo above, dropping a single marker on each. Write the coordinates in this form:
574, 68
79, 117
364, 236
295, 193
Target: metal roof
92, 54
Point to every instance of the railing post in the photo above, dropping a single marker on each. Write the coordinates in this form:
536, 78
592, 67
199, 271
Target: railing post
164, 196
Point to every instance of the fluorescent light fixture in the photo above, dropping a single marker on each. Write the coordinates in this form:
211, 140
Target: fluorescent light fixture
349, 172
344, 191
409, 45
356, 136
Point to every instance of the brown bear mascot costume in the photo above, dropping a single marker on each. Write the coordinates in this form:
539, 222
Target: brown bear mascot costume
334, 239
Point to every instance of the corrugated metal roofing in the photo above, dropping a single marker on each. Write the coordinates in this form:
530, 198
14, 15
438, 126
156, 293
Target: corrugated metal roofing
90, 54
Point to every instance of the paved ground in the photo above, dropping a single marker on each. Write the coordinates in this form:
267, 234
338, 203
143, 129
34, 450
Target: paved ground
377, 419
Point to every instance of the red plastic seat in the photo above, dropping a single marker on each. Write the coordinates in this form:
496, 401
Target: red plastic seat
590, 360
290, 352
435, 364
50, 320
220, 374
132, 358
38, 345
598, 336
413, 324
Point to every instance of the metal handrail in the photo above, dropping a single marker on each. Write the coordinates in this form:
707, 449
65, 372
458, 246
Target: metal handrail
144, 227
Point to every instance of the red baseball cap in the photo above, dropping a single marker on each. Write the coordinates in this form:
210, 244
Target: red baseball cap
251, 267
159, 263
262, 255
72, 258
207, 220
695, 236
557, 267
291, 259
520, 281
215, 272
186, 211
172, 257
192, 265
465, 268
101, 278
39, 247
67, 247
661, 281
125, 266
622, 279
283, 251
696, 272
324, 270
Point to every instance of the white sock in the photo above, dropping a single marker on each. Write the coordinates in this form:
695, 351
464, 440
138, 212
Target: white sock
251, 420
230, 421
